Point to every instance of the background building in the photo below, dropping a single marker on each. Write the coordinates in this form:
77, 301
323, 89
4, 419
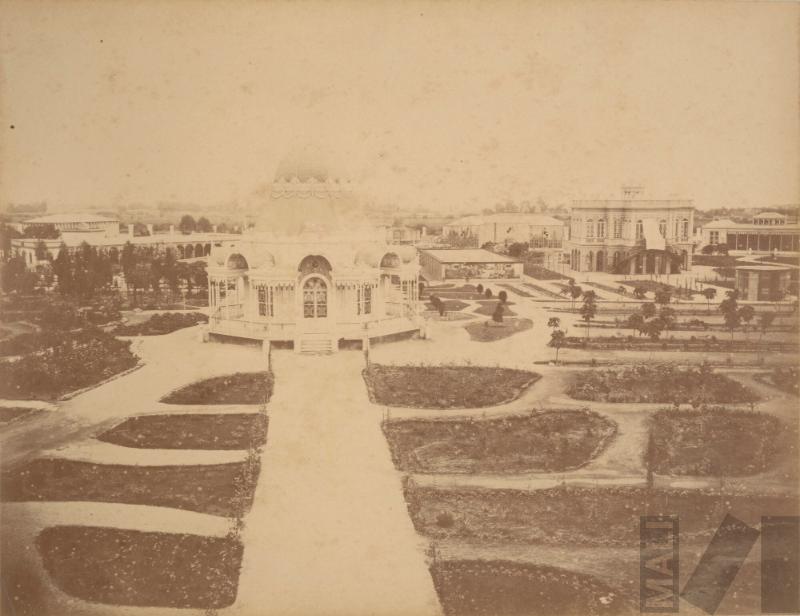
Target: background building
631, 235
536, 230
762, 282
769, 232
312, 272
467, 263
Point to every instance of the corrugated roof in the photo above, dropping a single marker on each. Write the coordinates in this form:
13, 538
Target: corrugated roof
468, 255
69, 218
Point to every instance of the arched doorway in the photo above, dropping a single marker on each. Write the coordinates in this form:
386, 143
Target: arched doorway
600, 265
315, 298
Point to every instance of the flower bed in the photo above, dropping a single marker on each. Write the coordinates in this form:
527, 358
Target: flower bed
449, 305
786, 379
542, 273
487, 309
71, 361
128, 567
653, 286
487, 588
487, 331
9, 414
715, 441
190, 431
445, 387
549, 441
238, 388
578, 516
207, 489
691, 344
159, 324
661, 383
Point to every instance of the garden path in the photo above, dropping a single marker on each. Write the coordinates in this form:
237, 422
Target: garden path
328, 532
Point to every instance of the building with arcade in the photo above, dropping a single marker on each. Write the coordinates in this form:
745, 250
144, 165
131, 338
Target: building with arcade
312, 273
631, 235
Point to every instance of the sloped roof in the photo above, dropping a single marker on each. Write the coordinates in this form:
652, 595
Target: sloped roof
69, 218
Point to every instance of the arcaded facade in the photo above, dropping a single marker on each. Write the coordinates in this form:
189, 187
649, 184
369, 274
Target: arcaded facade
312, 272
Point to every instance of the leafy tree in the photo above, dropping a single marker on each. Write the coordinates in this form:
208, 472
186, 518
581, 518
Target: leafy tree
502, 296
479, 289
730, 312
663, 296
639, 293
42, 254
15, 276
497, 315
667, 316
648, 310
518, 249
574, 291
554, 322
43, 231
187, 224
557, 340
62, 267
746, 314
709, 293
7, 233
589, 309
653, 328
204, 225
487, 293
765, 320
636, 322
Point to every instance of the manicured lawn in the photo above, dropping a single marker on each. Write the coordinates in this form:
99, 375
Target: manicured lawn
9, 414
653, 286
207, 489
129, 567
67, 362
445, 387
449, 304
567, 515
485, 331
543, 441
201, 431
787, 379
661, 383
159, 324
238, 388
715, 441
487, 308
491, 587
542, 273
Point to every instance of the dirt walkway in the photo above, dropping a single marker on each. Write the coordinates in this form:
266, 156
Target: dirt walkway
329, 532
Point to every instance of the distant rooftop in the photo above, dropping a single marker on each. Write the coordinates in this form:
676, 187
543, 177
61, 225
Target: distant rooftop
522, 218
469, 255
53, 219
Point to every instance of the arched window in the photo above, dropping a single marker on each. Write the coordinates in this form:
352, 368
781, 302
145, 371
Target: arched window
639, 229
315, 298
617, 228
589, 228
662, 227
601, 228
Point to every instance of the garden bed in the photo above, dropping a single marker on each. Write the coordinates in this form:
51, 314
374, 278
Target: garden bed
12, 413
208, 488
445, 387
715, 441
541, 273
489, 331
491, 587
786, 379
238, 388
185, 431
578, 516
549, 441
487, 309
159, 324
152, 569
653, 286
449, 305
71, 361
663, 383
707, 344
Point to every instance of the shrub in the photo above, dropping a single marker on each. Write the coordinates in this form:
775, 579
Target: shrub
479, 288
445, 520
488, 294
502, 296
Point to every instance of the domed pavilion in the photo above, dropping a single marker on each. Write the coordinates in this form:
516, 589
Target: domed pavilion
312, 272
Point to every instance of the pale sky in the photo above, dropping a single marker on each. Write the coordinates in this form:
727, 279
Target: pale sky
447, 105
